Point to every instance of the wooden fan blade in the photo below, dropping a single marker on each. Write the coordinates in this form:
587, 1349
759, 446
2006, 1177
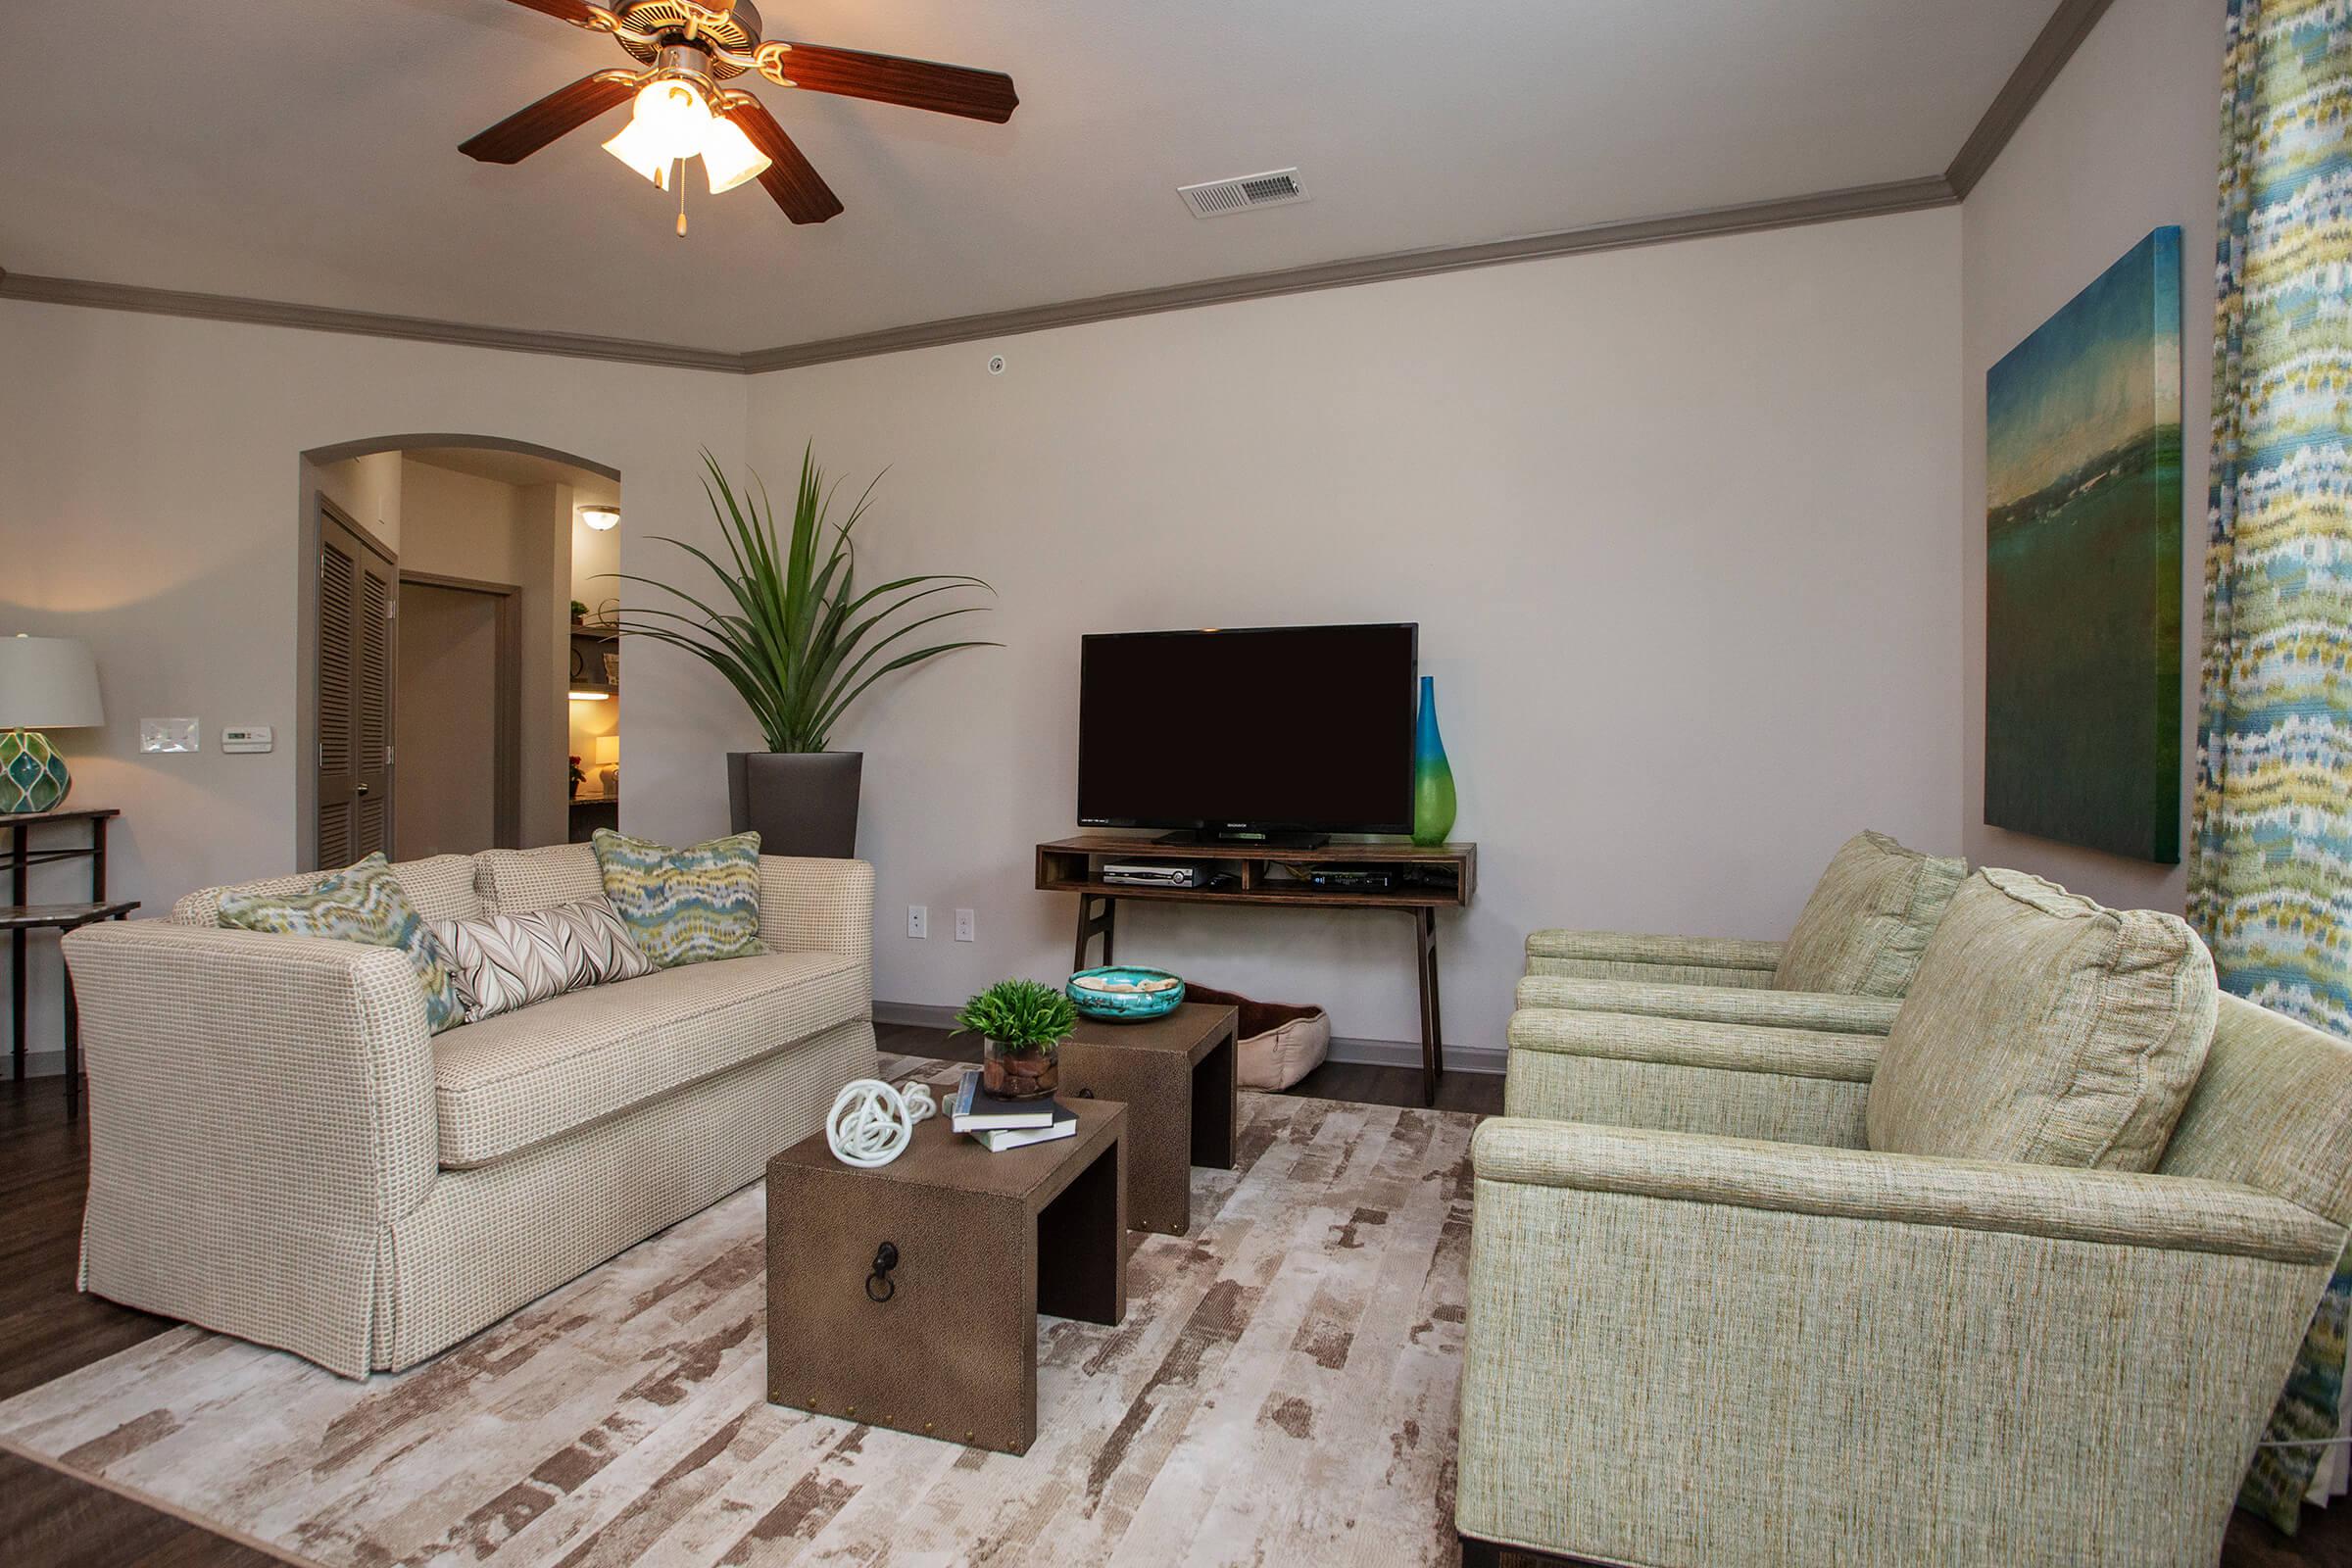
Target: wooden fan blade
567, 109
574, 12
892, 80
789, 176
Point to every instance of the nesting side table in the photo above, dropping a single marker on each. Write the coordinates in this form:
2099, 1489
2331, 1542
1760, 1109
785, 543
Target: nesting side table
907, 1295
1175, 1074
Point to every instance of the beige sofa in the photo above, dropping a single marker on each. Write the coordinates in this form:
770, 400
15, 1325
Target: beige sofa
278, 1151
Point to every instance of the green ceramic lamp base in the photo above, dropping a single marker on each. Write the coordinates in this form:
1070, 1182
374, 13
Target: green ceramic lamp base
32, 776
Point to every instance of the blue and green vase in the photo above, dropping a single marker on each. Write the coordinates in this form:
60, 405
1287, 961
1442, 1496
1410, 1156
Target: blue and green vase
1432, 775
32, 778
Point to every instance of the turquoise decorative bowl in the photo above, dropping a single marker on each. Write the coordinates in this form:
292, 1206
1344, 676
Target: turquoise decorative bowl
1091, 992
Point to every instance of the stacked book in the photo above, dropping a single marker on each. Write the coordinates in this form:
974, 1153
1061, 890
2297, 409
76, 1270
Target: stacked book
1002, 1124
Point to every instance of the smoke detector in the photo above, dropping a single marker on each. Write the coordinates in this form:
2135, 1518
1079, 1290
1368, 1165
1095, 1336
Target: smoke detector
1216, 197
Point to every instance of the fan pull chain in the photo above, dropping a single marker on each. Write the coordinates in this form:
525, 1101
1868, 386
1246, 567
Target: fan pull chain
681, 200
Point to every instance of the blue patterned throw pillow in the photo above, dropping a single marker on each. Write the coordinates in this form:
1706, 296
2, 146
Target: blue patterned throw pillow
684, 906
362, 904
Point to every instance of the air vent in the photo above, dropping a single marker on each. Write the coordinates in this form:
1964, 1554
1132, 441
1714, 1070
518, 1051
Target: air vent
1216, 197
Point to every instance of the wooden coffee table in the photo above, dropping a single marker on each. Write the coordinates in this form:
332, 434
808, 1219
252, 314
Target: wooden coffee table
1176, 1075
906, 1297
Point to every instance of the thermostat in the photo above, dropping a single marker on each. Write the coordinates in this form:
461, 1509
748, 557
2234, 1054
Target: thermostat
245, 737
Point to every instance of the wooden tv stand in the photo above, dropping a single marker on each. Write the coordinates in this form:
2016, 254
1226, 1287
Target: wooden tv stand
1264, 875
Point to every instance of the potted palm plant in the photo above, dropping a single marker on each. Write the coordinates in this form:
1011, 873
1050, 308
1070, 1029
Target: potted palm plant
796, 637
1022, 1025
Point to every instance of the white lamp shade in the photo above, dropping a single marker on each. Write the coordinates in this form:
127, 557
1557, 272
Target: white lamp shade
48, 683
728, 155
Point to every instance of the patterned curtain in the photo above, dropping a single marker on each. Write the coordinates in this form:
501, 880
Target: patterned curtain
2269, 880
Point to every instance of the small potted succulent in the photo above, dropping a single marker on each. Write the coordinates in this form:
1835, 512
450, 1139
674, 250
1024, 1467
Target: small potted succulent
1022, 1025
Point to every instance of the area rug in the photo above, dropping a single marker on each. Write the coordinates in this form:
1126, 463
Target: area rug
1282, 1391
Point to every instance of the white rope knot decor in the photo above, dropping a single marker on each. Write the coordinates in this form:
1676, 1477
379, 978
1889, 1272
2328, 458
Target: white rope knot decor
871, 1122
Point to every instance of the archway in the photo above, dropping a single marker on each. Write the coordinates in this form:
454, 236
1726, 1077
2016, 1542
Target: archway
449, 698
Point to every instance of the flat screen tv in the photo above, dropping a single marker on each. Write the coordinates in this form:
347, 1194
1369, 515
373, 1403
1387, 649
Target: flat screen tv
1270, 731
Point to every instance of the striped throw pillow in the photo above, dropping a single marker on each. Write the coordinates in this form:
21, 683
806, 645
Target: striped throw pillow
362, 904
506, 962
684, 906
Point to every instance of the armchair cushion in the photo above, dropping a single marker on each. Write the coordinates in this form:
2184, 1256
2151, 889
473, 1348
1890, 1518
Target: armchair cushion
1869, 919
2045, 1028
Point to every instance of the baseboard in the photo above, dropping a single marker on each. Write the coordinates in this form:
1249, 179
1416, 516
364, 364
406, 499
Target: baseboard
1408, 1053
44, 1064
920, 1015
1367, 1052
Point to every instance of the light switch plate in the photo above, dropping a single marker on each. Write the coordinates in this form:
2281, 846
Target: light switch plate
246, 738
168, 735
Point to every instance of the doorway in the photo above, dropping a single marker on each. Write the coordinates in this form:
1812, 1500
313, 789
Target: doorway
459, 686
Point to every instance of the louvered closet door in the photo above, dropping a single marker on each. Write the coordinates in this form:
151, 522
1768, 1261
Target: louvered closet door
356, 627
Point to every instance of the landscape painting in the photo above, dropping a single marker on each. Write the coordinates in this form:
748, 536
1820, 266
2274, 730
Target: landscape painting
2083, 567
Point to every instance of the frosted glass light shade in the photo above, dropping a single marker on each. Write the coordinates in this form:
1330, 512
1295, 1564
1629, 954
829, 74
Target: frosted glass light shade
643, 151
673, 117
48, 683
728, 155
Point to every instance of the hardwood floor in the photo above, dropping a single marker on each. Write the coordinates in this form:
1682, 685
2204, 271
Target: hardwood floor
48, 1328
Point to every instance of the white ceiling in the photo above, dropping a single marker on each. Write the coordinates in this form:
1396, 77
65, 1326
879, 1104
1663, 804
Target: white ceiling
306, 152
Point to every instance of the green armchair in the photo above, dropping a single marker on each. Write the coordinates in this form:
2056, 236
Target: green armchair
1858, 939
1709, 1327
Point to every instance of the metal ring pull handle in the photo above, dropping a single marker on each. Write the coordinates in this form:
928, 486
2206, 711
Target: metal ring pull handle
879, 1286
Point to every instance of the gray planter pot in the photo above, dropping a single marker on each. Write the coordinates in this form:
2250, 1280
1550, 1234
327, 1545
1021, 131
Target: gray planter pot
800, 803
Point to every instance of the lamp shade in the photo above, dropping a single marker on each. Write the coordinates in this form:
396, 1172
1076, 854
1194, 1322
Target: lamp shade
48, 683
608, 750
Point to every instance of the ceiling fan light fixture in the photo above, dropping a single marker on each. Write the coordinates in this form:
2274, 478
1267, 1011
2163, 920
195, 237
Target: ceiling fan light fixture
675, 116
636, 147
728, 157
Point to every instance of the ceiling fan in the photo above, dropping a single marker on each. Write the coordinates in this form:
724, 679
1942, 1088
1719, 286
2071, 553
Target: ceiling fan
688, 48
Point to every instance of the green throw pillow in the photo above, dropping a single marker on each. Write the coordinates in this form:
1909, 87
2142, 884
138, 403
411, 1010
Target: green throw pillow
360, 903
684, 906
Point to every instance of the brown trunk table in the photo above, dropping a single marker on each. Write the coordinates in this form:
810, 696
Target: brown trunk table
1175, 1073
906, 1297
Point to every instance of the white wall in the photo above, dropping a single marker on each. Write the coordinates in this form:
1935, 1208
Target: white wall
2125, 140
1674, 522
149, 499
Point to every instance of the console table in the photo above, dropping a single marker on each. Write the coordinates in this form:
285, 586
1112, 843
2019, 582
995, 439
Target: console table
20, 919
1262, 875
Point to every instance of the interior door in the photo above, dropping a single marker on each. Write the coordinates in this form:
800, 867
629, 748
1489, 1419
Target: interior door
357, 604
454, 792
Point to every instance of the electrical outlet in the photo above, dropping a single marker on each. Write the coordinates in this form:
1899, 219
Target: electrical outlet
918, 921
963, 926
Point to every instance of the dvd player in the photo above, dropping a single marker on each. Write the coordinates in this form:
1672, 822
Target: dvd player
1152, 876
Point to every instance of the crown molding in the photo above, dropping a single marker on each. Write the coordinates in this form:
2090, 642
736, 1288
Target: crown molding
1823, 206
363, 323
2048, 56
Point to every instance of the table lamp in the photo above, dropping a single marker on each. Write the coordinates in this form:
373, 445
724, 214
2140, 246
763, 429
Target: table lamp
45, 683
608, 761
